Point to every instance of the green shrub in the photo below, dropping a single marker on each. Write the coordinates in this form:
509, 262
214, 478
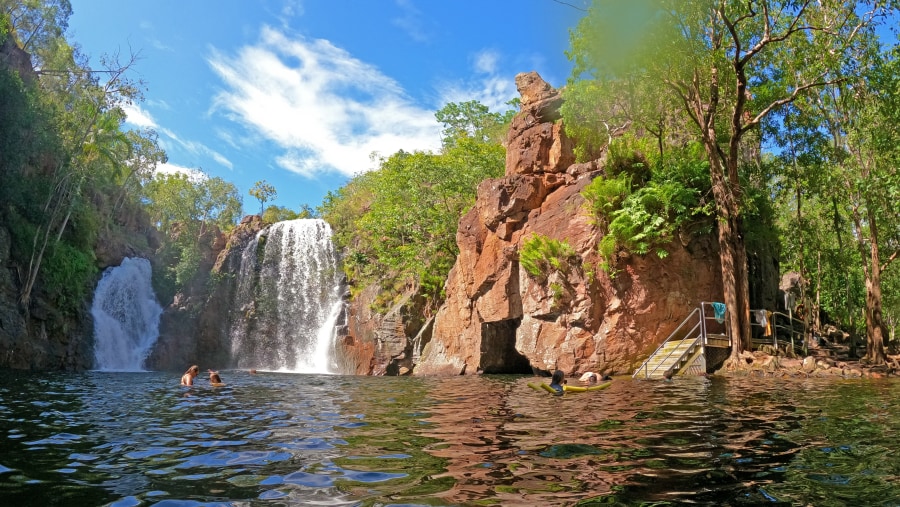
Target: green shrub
67, 274
605, 195
541, 255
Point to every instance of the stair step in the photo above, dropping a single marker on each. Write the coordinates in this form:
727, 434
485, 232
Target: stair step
672, 355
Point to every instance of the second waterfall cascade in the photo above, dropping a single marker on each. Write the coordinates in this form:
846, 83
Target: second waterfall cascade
289, 299
126, 316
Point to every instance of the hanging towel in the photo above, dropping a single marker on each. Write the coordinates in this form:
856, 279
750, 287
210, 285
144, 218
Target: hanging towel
719, 309
768, 323
760, 317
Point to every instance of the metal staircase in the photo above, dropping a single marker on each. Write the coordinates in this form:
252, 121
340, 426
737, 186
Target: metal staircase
684, 351
670, 358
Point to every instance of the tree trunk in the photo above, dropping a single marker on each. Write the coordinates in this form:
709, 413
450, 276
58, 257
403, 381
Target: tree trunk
874, 317
735, 286
732, 257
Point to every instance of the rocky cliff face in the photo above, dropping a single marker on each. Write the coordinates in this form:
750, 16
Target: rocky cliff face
194, 328
383, 344
497, 318
44, 339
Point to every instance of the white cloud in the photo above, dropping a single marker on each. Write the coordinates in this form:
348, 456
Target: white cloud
292, 8
327, 110
492, 88
136, 116
192, 174
411, 21
486, 61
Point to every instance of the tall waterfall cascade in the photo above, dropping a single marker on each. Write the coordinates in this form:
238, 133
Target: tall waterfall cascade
289, 299
126, 316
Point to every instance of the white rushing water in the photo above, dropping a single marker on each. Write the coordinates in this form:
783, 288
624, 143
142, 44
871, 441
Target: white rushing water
126, 316
288, 300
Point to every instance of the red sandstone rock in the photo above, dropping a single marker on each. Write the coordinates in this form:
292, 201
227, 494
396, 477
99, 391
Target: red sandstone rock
578, 320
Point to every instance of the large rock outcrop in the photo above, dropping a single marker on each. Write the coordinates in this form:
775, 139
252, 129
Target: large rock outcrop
499, 319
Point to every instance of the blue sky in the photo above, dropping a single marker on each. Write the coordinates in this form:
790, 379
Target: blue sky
301, 92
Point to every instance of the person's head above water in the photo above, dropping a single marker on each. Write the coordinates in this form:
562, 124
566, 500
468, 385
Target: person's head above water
558, 377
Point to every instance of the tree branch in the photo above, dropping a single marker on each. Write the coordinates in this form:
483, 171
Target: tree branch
890, 260
767, 37
787, 100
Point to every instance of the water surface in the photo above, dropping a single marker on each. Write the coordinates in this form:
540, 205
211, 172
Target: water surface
129, 439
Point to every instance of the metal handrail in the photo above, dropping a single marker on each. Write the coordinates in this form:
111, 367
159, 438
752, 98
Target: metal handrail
661, 345
703, 305
772, 324
790, 329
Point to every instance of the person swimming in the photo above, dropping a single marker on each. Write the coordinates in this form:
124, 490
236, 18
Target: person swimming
214, 377
188, 378
556, 382
594, 378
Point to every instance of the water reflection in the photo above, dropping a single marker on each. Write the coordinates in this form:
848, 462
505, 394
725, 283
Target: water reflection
139, 439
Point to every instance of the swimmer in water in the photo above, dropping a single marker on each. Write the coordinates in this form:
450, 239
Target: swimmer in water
214, 377
188, 378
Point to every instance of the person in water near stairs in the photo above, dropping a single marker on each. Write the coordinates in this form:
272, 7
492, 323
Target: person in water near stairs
188, 378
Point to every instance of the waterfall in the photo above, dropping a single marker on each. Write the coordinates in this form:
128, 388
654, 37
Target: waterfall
126, 316
288, 300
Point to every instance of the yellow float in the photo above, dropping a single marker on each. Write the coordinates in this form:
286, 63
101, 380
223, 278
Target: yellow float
568, 388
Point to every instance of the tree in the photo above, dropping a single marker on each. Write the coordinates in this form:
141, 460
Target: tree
185, 208
85, 104
473, 120
397, 225
219, 202
274, 214
263, 192
38, 24
726, 66
861, 115
306, 211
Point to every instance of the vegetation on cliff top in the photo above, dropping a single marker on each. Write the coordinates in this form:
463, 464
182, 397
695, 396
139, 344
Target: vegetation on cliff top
810, 83
69, 174
397, 225
73, 178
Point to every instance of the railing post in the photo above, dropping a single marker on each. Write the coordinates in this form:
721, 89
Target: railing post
703, 322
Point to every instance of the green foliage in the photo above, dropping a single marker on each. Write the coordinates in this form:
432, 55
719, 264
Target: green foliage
274, 214
68, 274
188, 263
185, 208
263, 192
605, 195
397, 225
178, 199
644, 217
651, 214
473, 120
541, 255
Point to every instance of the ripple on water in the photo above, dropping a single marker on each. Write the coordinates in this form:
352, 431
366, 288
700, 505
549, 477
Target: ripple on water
229, 458
114, 439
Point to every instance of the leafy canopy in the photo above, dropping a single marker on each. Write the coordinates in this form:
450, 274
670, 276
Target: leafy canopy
398, 224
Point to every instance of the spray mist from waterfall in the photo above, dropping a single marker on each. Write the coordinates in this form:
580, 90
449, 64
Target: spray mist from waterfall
126, 317
289, 299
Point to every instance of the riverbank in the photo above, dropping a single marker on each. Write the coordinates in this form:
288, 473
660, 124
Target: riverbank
827, 360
